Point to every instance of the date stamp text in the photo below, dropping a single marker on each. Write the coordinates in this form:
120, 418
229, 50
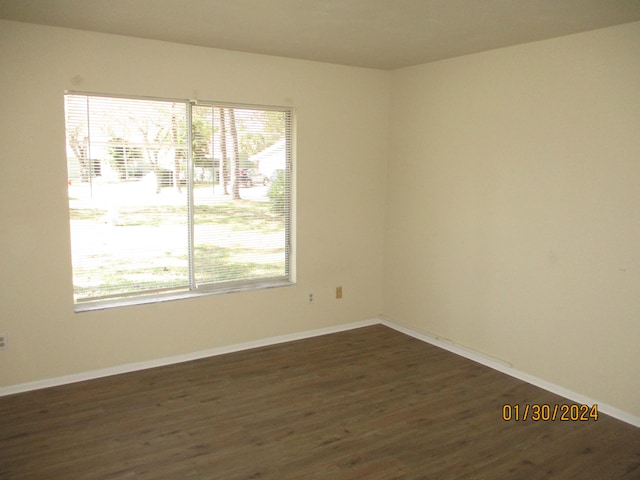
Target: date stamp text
549, 412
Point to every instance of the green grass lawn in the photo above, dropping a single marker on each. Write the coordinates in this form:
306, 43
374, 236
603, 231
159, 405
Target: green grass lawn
146, 247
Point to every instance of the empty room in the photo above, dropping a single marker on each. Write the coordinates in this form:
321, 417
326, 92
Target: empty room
319, 239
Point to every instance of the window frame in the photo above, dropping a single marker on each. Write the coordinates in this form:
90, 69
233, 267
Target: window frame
191, 289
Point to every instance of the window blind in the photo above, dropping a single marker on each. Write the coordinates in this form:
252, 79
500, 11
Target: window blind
170, 196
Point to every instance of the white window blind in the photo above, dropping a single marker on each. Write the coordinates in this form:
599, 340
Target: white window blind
169, 197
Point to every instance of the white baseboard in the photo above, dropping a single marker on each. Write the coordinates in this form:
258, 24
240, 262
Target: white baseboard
508, 369
481, 358
160, 362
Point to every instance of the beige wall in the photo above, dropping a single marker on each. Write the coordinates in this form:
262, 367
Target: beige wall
513, 211
342, 117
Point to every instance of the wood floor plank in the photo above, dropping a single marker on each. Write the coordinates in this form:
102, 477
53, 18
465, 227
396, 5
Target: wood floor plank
367, 403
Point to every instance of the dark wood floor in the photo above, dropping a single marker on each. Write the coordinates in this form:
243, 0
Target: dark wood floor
369, 403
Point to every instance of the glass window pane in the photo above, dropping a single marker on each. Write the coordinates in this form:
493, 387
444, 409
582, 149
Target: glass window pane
155, 208
240, 226
127, 195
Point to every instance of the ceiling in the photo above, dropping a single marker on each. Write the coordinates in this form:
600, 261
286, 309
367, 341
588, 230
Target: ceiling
384, 34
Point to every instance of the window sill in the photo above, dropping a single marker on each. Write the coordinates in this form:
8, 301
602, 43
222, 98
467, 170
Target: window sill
89, 306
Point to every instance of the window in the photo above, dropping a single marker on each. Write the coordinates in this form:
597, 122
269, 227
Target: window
173, 198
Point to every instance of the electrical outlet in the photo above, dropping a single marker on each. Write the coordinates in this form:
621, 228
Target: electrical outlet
3, 341
310, 298
339, 292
